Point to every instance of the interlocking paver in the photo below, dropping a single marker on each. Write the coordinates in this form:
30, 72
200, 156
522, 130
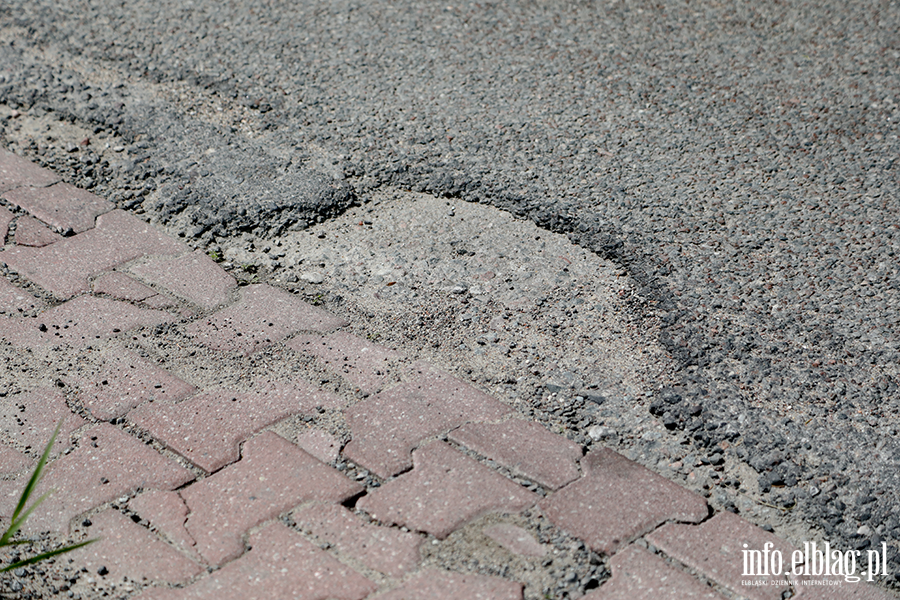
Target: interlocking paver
272, 477
195, 277
715, 549
387, 426
445, 490
128, 550
107, 464
359, 361
167, 513
281, 564
6, 218
515, 539
125, 380
639, 575
320, 444
29, 419
88, 320
383, 549
524, 447
122, 287
14, 300
617, 500
208, 428
433, 584
31, 232
65, 267
61, 205
16, 171
12, 461
263, 316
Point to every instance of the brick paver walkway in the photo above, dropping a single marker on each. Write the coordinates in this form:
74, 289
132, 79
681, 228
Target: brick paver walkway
196, 495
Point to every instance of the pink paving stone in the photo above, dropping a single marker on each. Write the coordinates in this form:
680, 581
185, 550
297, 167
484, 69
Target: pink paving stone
28, 420
359, 361
387, 426
515, 539
320, 444
6, 218
618, 500
208, 428
61, 205
167, 513
20, 332
432, 584
160, 301
128, 550
122, 287
125, 380
65, 267
715, 549
195, 277
640, 575
16, 171
31, 232
12, 461
526, 448
14, 300
280, 565
88, 320
383, 549
444, 491
263, 316
272, 477
98, 471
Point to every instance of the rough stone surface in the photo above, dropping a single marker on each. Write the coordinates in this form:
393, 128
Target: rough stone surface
263, 316
194, 277
383, 549
121, 287
320, 444
6, 218
167, 513
16, 171
106, 464
715, 549
31, 232
12, 461
363, 363
61, 205
639, 575
90, 320
387, 426
280, 564
617, 500
272, 477
208, 428
15, 300
125, 380
28, 420
445, 490
64, 268
515, 539
128, 550
526, 448
433, 584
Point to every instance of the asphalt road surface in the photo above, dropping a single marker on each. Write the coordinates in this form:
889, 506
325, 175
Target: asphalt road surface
739, 159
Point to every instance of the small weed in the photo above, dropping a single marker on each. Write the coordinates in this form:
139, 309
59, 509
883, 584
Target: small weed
21, 514
216, 256
373, 336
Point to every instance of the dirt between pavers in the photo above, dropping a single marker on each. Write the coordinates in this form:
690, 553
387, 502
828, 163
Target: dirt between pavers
539, 323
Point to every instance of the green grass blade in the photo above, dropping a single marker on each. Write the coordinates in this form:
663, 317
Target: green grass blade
45, 555
17, 520
17, 524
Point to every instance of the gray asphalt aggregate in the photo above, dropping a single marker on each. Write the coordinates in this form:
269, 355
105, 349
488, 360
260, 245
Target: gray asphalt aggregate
739, 159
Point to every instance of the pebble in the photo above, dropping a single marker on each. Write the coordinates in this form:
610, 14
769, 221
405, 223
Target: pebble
600, 433
312, 277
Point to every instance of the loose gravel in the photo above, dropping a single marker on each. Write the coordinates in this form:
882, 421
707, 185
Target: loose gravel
737, 160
